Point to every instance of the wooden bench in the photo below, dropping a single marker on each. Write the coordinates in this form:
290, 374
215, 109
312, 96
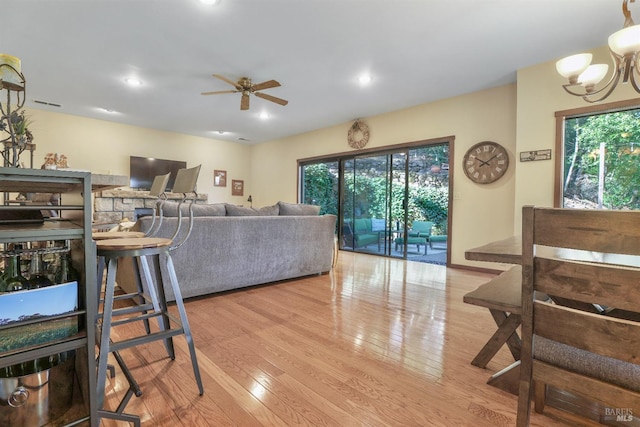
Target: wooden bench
502, 295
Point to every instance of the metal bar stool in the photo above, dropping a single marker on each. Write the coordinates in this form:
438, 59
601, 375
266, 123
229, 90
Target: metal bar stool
156, 306
158, 190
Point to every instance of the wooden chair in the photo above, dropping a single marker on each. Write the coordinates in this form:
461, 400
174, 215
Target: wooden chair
586, 353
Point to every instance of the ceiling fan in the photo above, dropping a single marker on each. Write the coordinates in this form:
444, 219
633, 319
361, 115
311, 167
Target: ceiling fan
247, 87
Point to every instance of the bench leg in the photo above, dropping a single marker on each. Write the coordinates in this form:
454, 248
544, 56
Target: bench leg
506, 333
513, 342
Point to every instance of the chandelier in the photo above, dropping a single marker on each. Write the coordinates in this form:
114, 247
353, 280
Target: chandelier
624, 46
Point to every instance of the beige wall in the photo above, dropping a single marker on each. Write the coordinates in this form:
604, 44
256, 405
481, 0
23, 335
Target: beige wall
105, 147
480, 212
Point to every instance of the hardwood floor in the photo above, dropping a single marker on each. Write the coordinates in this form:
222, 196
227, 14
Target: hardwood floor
377, 342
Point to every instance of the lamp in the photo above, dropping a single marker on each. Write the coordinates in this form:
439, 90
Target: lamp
624, 46
250, 200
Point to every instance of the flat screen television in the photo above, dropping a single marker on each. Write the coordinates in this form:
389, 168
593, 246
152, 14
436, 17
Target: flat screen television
142, 171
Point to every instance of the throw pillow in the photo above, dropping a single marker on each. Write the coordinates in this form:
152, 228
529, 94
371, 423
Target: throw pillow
377, 224
234, 210
298, 209
171, 209
215, 209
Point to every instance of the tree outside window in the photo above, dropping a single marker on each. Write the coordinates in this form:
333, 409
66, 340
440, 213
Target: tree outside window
602, 161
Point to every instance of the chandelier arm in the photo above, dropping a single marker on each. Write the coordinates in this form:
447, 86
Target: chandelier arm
628, 21
618, 65
632, 77
613, 83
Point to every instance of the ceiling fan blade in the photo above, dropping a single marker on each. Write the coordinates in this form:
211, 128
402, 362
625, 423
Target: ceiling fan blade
231, 82
244, 102
266, 85
219, 92
271, 98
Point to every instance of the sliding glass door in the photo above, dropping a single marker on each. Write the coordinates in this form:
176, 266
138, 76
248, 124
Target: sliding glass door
388, 203
365, 204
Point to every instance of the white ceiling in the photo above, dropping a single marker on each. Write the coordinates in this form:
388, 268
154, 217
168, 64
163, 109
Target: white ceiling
77, 53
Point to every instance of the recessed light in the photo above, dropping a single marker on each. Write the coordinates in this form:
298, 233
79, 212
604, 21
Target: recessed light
264, 115
108, 110
220, 132
364, 79
133, 81
209, 1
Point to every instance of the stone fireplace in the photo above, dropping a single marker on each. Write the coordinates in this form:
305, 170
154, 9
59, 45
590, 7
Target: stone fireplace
112, 206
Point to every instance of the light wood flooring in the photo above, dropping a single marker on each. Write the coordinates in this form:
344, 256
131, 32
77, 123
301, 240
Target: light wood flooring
377, 342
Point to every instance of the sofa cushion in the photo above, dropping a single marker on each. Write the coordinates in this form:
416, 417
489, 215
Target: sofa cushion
298, 209
234, 210
216, 209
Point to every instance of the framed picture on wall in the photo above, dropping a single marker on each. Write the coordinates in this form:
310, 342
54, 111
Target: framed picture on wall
219, 178
237, 187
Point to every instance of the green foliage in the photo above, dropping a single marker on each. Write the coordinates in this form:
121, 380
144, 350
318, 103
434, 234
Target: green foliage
321, 188
368, 192
620, 133
434, 205
426, 203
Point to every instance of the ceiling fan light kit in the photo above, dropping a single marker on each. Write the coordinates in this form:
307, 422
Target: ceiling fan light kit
624, 47
247, 87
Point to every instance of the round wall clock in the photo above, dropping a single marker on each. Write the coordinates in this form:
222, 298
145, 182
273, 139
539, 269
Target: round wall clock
485, 162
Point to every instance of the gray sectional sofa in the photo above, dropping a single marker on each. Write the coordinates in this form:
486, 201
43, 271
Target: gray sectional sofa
232, 247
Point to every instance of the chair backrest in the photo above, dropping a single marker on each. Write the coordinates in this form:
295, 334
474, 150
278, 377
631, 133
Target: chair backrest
186, 181
158, 187
422, 227
362, 225
586, 258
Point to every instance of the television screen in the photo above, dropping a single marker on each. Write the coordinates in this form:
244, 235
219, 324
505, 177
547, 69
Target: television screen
142, 171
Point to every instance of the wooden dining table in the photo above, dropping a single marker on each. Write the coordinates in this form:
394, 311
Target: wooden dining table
507, 251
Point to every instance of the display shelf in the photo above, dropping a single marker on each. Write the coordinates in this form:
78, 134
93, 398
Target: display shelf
49, 230
35, 352
77, 234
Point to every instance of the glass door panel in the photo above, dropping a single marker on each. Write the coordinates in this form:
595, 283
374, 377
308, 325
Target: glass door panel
366, 204
398, 203
428, 203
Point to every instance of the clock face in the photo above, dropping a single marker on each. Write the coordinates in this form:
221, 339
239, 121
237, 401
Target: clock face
486, 162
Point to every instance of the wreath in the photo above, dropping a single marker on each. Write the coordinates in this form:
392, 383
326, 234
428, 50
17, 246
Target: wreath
358, 129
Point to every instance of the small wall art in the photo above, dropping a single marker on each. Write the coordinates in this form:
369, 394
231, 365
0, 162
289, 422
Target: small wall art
237, 187
219, 178
532, 156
